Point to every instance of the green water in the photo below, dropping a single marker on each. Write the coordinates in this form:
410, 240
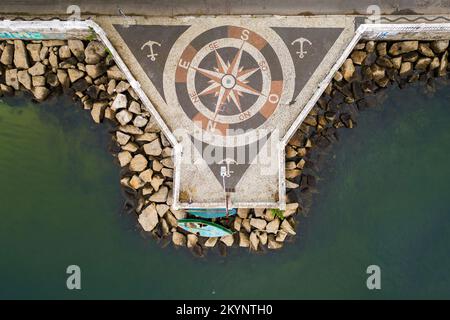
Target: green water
383, 199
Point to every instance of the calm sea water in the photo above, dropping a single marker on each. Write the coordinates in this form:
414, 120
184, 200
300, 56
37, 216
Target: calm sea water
383, 199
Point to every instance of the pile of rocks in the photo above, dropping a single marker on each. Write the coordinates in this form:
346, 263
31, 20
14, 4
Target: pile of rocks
85, 70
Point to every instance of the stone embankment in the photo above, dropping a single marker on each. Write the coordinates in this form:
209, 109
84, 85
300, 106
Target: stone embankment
86, 71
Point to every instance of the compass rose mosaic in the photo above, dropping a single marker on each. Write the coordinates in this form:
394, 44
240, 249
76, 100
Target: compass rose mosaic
228, 77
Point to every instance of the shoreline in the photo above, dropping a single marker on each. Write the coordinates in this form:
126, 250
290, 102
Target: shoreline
85, 71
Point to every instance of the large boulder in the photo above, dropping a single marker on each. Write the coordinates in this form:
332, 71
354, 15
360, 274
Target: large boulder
94, 52
149, 218
7, 55
124, 117
160, 195
403, 47
259, 224
178, 238
20, 55
119, 102
11, 78
77, 48
24, 78
34, 49
38, 69
439, 46
348, 69
40, 93
138, 163
153, 148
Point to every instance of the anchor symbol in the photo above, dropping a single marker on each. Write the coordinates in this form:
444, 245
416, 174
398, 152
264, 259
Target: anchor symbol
225, 169
301, 53
150, 44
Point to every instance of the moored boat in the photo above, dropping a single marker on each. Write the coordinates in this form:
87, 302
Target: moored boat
211, 213
204, 228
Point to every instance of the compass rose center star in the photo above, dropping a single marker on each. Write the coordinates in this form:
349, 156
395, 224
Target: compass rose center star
228, 81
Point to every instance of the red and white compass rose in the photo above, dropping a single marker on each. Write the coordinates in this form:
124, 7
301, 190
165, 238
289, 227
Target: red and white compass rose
225, 83
228, 81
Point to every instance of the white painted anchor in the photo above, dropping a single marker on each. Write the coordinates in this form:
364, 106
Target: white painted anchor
150, 44
302, 52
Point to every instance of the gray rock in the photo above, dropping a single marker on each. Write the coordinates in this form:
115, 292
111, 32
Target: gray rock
53, 60
244, 241
160, 195
157, 181
149, 218
281, 236
77, 48
7, 55
254, 241
227, 240
138, 163
140, 121
382, 48
424, 49
95, 70
52, 79
120, 102
136, 183
40, 93
135, 107
124, 117
34, 49
286, 226
384, 62
434, 63
130, 129
75, 74
37, 70
192, 240
403, 47
94, 52
38, 81
259, 224
115, 73
20, 55
291, 208
439, 46
370, 46
273, 244
64, 52
211, 242
24, 78
162, 208
122, 86
272, 227
422, 64
178, 239
121, 137
442, 71
97, 112
153, 148
358, 57
377, 71
405, 69
11, 78
124, 158
348, 69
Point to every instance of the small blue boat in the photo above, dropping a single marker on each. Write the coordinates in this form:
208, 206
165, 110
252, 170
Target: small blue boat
204, 228
211, 213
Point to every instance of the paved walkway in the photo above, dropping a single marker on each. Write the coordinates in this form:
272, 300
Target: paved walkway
229, 89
